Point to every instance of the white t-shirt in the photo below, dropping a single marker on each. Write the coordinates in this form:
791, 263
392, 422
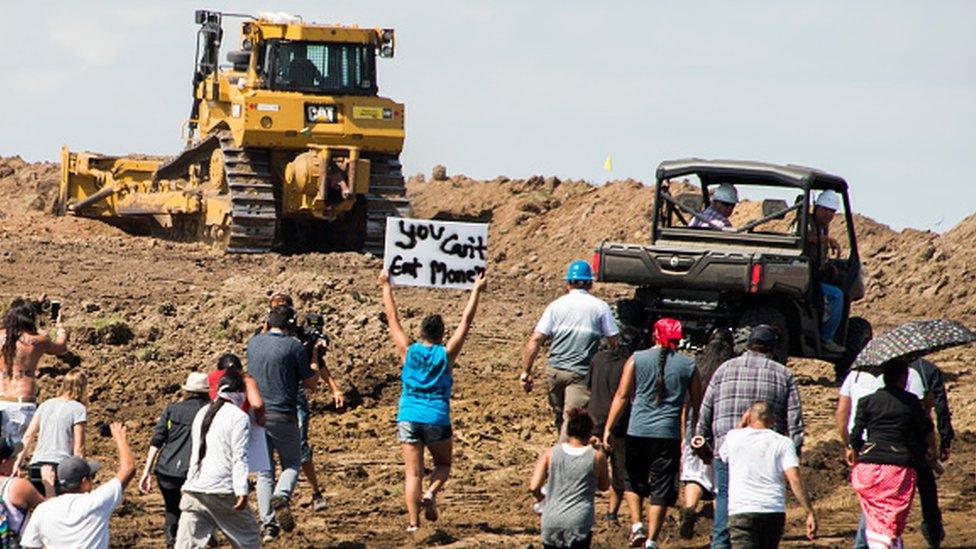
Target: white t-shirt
860, 384
576, 322
74, 520
758, 460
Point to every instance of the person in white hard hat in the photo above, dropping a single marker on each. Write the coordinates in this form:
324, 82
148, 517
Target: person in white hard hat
825, 246
716, 215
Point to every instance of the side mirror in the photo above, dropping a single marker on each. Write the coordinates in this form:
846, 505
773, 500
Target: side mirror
773, 205
386, 43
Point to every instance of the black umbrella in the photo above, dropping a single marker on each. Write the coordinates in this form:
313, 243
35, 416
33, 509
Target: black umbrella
912, 340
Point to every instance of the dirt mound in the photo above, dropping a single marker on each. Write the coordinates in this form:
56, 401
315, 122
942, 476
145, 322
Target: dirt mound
27, 186
143, 313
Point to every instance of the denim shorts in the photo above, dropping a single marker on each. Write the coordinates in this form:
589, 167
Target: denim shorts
410, 432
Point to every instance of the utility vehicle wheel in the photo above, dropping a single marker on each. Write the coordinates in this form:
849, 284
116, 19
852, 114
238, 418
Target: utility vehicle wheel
859, 333
763, 315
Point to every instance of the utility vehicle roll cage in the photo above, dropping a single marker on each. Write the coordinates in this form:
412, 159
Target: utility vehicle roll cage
745, 173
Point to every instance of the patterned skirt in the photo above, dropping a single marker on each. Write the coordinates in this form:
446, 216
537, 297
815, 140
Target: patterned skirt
886, 493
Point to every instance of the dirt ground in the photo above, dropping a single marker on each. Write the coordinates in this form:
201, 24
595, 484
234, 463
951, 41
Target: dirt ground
143, 313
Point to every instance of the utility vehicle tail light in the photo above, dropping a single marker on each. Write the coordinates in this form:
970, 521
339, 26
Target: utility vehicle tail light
756, 278
595, 263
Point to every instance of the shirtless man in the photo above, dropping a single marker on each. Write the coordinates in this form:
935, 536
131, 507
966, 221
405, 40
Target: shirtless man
21, 348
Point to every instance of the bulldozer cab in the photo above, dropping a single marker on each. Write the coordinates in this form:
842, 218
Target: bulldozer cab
318, 67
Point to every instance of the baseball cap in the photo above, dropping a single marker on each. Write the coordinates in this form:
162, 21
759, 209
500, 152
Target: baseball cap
71, 470
764, 333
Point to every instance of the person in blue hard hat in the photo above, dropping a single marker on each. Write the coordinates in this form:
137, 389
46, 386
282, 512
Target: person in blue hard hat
575, 323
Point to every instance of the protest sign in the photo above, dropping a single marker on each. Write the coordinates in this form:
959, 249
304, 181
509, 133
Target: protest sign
438, 254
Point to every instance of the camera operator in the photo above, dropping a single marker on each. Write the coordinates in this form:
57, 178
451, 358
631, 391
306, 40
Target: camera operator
280, 365
316, 344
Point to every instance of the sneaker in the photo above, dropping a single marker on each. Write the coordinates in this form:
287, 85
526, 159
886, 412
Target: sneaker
430, 507
318, 502
269, 533
638, 535
539, 507
282, 510
832, 347
649, 544
687, 527
609, 517
412, 528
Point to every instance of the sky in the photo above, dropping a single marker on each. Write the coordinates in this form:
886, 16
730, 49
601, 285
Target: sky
881, 93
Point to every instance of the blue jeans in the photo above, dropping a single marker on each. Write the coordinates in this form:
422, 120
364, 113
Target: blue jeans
303, 426
861, 540
834, 298
720, 527
284, 438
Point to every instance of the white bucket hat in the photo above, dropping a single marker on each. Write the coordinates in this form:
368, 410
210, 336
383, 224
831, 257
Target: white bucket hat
196, 382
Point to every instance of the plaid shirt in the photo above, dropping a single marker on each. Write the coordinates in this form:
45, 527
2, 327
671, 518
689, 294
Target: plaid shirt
740, 382
711, 219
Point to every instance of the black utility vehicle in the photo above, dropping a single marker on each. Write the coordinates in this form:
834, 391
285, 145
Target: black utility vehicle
765, 270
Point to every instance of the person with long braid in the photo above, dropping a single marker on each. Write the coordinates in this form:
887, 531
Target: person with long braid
656, 382
215, 492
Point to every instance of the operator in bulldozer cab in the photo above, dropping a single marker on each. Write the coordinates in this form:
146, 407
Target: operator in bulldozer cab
716, 215
301, 72
823, 247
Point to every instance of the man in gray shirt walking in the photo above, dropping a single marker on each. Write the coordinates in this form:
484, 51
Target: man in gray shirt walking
575, 323
278, 362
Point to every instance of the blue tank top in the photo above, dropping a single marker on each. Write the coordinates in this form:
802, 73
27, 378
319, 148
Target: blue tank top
425, 395
649, 418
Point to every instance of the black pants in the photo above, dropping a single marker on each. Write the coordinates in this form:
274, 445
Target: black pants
928, 496
170, 488
581, 544
756, 530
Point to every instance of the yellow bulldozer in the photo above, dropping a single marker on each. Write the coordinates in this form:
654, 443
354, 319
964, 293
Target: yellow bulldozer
288, 146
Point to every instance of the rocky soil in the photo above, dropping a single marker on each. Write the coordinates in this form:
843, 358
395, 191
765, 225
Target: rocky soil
144, 312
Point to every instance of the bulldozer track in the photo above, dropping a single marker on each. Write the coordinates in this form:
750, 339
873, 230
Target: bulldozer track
253, 213
387, 197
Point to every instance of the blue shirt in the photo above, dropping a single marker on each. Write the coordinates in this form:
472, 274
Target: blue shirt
425, 396
649, 418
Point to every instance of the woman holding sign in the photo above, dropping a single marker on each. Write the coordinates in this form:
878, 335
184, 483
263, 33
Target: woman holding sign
424, 413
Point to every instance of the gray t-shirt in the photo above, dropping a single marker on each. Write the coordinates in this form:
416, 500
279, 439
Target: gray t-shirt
576, 322
279, 363
649, 418
57, 418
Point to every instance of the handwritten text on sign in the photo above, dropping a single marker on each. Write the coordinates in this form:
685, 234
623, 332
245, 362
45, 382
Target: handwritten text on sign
441, 254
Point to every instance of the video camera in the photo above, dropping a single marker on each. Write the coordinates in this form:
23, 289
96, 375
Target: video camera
311, 331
